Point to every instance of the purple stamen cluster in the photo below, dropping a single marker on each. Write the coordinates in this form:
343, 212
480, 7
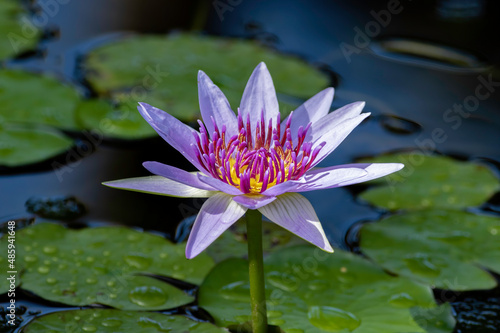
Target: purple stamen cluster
255, 163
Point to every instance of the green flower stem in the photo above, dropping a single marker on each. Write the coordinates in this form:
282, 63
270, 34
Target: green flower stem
256, 271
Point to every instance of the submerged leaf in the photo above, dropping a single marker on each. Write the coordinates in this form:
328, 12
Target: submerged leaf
431, 182
443, 248
103, 265
110, 321
308, 291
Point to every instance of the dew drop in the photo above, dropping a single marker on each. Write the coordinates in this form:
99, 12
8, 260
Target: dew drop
51, 280
76, 318
106, 253
113, 296
72, 283
28, 248
111, 283
47, 262
421, 265
236, 291
49, 249
91, 280
402, 300
138, 261
494, 231
274, 314
76, 252
283, 281
331, 319
147, 296
30, 258
43, 269
90, 259
163, 255
89, 328
111, 322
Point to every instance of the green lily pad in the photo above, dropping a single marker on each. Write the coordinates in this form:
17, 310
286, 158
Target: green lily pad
30, 98
17, 32
21, 145
431, 182
233, 243
162, 70
110, 321
123, 122
104, 265
443, 248
308, 290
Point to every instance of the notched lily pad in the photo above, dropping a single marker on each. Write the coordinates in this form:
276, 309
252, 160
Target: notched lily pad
123, 121
26, 144
443, 248
17, 33
104, 265
161, 70
110, 321
431, 182
312, 291
30, 98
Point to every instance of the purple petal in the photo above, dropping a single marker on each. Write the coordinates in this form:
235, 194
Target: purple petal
214, 104
324, 178
217, 214
312, 110
281, 188
259, 96
159, 185
177, 175
219, 185
295, 213
177, 134
253, 201
373, 171
334, 134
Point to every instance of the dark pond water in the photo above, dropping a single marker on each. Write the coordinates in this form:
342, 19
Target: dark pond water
411, 92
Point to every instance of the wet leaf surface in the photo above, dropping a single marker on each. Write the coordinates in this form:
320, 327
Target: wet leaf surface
161, 70
109, 321
431, 181
312, 291
443, 248
26, 144
103, 265
50, 102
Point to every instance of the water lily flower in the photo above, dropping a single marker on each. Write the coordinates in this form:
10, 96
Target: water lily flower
253, 160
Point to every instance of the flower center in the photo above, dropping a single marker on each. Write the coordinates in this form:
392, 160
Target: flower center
255, 163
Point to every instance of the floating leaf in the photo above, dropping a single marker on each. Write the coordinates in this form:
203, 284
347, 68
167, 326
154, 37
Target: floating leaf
431, 181
443, 248
104, 265
311, 291
110, 321
233, 244
17, 32
123, 122
21, 145
162, 71
31, 98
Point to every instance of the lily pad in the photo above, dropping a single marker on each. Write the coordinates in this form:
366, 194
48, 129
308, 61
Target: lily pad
431, 182
233, 244
30, 98
312, 291
123, 122
110, 321
104, 265
21, 145
17, 32
161, 70
443, 248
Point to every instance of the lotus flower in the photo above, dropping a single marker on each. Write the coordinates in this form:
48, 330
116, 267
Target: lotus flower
253, 160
